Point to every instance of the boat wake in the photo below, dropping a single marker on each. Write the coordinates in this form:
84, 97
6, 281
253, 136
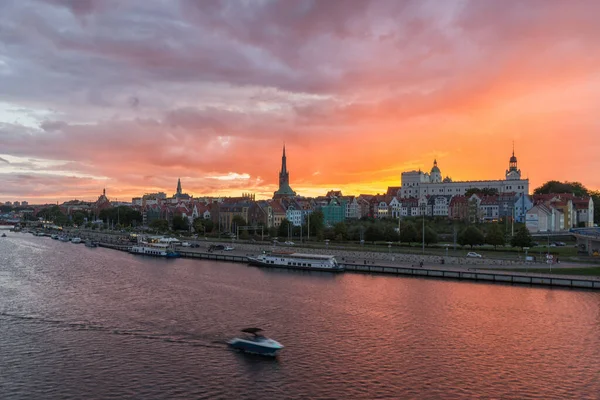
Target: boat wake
183, 338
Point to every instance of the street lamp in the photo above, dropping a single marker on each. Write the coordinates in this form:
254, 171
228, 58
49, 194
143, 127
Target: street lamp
423, 228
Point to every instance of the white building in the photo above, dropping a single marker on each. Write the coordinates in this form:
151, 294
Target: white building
544, 218
419, 183
352, 207
294, 214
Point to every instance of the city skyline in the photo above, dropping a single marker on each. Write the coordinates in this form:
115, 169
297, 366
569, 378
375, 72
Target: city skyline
132, 98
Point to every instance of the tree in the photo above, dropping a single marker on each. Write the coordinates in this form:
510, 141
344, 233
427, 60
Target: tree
282, 231
317, 223
390, 234
236, 222
122, 215
78, 217
272, 232
340, 231
208, 225
562, 187
159, 225
484, 192
471, 236
408, 233
198, 225
180, 223
495, 236
430, 236
522, 238
374, 233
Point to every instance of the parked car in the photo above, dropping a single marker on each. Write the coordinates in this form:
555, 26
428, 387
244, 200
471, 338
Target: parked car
195, 245
289, 243
228, 248
473, 254
216, 247
186, 244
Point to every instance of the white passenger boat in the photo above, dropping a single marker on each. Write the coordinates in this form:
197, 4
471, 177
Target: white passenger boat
154, 249
313, 262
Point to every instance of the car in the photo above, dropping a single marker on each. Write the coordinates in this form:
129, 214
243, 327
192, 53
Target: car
186, 244
473, 254
195, 245
228, 248
289, 243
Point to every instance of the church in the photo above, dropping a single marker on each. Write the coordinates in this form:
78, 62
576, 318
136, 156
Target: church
419, 183
284, 180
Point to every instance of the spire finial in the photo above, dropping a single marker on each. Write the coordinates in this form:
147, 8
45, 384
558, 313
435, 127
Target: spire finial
513, 148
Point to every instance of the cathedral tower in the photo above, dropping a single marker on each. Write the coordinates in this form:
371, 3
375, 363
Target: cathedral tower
284, 180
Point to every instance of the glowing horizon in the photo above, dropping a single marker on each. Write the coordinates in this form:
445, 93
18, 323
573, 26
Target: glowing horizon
131, 98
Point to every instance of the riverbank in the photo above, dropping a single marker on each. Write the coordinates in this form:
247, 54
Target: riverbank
357, 263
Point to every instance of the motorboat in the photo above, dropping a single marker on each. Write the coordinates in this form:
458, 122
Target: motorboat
54, 236
4, 235
315, 262
63, 238
76, 240
256, 343
91, 243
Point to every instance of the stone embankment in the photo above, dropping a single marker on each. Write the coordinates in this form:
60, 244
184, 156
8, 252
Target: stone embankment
343, 255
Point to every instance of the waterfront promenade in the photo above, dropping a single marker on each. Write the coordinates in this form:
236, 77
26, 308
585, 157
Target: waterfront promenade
488, 270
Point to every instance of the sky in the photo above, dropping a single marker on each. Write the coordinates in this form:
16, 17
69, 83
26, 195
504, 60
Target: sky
132, 95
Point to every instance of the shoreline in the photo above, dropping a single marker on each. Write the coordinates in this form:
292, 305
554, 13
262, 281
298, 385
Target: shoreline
461, 268
471, 273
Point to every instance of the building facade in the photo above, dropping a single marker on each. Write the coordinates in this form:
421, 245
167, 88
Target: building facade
419, 183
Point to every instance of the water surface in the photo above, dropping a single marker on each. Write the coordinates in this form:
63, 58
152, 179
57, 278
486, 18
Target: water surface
79, 323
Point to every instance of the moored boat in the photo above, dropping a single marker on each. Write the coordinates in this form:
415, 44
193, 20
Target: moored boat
63, 238
76, 240
91, 243
313, 262
4, 235
154, 249
256, 343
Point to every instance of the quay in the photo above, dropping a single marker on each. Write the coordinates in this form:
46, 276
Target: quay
481, 275
472, 274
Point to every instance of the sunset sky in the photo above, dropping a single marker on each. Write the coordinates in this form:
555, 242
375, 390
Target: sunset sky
131, 95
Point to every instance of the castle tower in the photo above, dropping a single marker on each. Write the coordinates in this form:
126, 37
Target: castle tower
435, 176
284, 180
513, 173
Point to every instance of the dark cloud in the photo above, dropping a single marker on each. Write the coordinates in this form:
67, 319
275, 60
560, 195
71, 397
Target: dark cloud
196, 86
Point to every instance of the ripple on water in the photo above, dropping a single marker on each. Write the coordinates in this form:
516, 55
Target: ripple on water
95, 323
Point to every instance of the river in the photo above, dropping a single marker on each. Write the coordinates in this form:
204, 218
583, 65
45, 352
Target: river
78, 322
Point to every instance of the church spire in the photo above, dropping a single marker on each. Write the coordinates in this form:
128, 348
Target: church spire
178, 185
283, 161
284, 179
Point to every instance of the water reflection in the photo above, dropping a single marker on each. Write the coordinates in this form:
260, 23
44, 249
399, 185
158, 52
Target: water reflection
122, 326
